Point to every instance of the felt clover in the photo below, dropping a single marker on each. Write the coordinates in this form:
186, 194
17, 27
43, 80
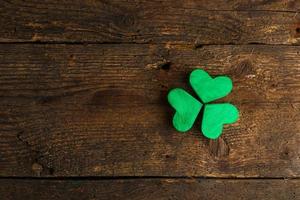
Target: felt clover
214, 115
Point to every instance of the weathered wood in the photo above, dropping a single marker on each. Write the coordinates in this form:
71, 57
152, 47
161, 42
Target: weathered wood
185, 21
90, 110
142, 189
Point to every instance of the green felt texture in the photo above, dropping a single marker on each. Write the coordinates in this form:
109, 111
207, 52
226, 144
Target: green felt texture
215, 116
187, 108
208, 88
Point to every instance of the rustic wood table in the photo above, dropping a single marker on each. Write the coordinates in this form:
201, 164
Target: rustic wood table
83, 109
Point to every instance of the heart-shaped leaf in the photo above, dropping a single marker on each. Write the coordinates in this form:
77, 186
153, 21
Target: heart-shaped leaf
187, 109
208, 88
215, 116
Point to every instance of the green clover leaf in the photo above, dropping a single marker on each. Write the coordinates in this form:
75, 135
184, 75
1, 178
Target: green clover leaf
188, 108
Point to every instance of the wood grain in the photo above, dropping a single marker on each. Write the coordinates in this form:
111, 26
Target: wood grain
142, 189
177, 22
101, 110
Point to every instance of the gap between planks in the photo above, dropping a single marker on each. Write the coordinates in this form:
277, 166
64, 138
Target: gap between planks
195, 46
74, 178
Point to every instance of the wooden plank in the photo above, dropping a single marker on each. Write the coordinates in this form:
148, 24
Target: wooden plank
101, 110
185, 21
142, 189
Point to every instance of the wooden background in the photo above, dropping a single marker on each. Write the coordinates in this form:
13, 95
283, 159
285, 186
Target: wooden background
83, 110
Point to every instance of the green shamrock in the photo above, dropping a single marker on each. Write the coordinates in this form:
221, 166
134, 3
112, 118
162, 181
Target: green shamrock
214, 115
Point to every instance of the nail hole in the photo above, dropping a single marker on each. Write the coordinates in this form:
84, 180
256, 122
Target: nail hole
198, 46
298, 30
165, 66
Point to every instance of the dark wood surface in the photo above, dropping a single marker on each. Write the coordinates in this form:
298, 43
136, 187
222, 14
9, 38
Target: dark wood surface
101, 110
142, 189
83, 110
172, 21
